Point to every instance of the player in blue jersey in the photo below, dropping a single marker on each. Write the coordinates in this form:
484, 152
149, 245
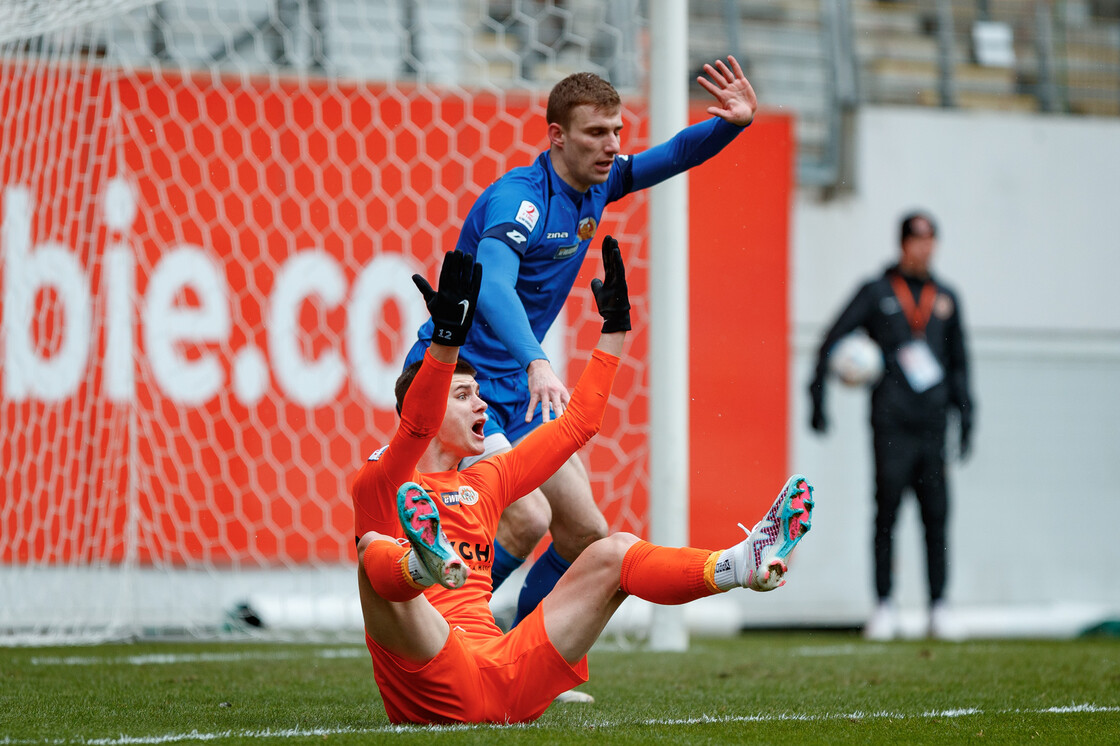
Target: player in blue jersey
531, 229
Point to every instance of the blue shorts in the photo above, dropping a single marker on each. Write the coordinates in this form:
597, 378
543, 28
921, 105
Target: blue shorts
507, 400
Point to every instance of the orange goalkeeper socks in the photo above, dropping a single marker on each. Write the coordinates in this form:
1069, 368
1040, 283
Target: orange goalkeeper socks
668, 575
387, 566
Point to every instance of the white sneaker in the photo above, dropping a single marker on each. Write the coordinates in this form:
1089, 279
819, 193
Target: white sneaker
772, 539
419, 518
572, 697
883, 624
941, 626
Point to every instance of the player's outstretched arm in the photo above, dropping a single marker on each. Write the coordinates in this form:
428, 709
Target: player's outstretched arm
613, 302
545, 449
736, 101
452, 306
612, 299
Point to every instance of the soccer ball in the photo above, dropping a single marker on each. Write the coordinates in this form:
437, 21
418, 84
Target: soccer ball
856, 360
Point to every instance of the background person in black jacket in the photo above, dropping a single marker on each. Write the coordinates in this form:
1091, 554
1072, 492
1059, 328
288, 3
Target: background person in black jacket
915, 319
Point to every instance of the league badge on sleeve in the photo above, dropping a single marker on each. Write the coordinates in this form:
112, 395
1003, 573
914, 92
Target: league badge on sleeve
528, 215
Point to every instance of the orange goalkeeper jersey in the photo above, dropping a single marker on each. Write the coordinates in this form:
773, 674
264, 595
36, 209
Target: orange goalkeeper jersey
472, 500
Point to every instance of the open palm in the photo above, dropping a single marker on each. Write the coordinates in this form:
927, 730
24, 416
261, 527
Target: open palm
733, 92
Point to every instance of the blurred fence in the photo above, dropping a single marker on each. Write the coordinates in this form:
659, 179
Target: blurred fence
818, 58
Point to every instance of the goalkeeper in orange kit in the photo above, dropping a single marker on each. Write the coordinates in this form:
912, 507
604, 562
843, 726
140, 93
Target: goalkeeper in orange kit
438, 656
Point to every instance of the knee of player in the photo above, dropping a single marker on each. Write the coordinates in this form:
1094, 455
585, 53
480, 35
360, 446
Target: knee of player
578, 525
610, 549
598, 528
531, 526
368, 538
576, 543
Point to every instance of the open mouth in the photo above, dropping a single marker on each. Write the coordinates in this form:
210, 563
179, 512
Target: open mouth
478, 427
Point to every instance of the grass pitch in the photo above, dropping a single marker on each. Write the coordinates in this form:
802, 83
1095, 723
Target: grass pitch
755, 688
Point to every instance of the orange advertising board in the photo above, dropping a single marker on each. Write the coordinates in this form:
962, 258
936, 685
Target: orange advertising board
206, 298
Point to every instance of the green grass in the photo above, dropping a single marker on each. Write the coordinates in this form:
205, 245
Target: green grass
756, 688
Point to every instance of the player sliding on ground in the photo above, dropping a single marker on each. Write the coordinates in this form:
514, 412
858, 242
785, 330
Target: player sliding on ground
438, 656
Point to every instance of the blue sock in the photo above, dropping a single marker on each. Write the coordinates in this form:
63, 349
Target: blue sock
504, 564
541, 579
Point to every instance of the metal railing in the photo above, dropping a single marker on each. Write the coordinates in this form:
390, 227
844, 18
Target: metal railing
1056, 56
820, 59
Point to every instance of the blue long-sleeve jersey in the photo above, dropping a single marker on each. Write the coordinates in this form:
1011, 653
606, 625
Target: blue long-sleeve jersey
530, 231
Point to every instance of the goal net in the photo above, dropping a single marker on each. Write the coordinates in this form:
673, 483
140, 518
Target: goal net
210, 214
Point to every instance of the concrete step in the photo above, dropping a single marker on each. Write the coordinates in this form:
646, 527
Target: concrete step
897, 46
981, 100
871, 18
969, 76
1101, 107
708, 40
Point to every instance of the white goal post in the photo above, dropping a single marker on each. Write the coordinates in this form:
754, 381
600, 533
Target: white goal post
210, 213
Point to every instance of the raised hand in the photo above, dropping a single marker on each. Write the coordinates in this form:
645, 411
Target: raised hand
611, 295
733, 92
453, 306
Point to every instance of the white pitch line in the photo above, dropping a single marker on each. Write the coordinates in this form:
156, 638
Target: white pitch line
829, 651
196, 736
865, 648
163, 659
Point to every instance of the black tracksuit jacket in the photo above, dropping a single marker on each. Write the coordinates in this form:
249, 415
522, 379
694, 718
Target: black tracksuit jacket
894, 404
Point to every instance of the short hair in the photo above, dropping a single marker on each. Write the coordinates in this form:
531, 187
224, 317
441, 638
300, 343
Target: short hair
404, 380
579, 89
909, 225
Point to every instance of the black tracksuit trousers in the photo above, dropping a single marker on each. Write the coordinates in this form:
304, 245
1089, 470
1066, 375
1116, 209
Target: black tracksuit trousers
915, 459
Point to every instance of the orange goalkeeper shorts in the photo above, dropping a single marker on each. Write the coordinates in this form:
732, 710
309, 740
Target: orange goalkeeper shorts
511, 678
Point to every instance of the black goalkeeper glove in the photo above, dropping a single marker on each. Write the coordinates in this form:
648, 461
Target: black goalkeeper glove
453, 307
610, 293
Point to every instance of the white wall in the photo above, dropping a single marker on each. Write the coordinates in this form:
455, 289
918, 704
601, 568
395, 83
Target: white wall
1028, 211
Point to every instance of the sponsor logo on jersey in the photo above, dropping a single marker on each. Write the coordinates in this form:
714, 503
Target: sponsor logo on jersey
556, 234
450, 498
566, 251
516, 236
476, 556
377, 454
528, 215
587, 228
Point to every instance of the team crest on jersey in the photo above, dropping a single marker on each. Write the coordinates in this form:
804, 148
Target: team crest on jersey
943, 306
587, 228
528, 215
467, 495
377, 454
